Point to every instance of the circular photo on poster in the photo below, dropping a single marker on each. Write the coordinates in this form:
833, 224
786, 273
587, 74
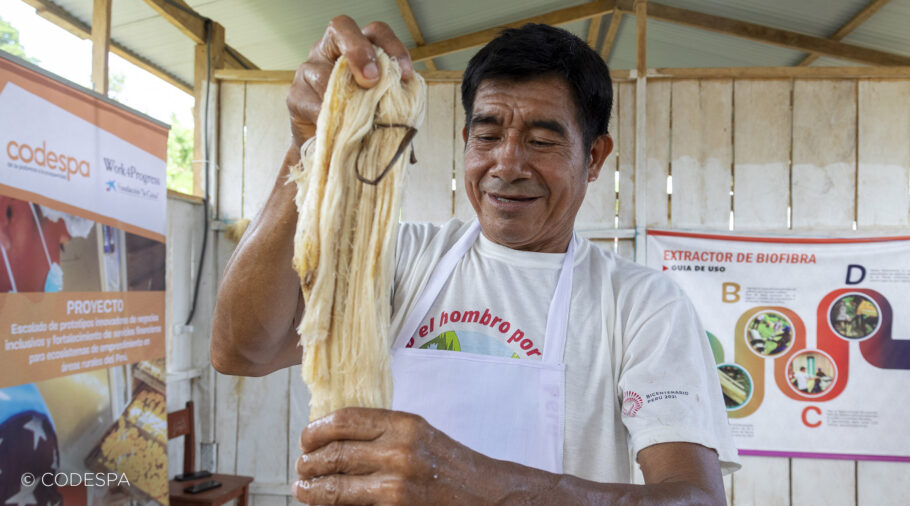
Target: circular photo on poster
811, 373
736, 385
769, 334
854, 316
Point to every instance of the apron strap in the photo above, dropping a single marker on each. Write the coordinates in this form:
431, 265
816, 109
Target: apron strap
558, 314
438, 279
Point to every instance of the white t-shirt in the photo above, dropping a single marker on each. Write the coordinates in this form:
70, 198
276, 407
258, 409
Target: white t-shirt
639, 370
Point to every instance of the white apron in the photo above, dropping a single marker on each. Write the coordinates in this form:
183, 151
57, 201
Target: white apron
506, 408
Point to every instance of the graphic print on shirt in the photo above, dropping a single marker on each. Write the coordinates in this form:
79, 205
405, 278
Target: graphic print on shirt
478, 331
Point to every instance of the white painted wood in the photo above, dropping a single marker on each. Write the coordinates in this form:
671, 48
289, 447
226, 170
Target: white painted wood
463, 209
762, 481
298, 417
598, 210
728, 488
228, 390
828, 482
702, 151
230, 146
268, 136
625, 150
657, 130
626, 249
761, 171
262, 427
882, 483
882, 202
428, 194
824, 154
883, 199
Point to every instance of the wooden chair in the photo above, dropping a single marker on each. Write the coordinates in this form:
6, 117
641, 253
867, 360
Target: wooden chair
180, 423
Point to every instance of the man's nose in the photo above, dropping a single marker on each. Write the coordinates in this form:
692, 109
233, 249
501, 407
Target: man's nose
511, 160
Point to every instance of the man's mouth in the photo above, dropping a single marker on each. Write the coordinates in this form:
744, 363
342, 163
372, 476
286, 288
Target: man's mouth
510, 202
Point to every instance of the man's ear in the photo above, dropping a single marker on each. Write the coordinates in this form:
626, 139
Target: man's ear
600, 150
464, 134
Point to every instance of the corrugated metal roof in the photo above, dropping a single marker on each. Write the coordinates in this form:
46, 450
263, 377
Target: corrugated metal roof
277, 34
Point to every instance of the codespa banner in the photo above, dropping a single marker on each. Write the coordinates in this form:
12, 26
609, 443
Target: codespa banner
82, 295
811, 337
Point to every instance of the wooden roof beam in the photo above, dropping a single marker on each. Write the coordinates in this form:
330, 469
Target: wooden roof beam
610, 37
594, 31
860, 18
55, 14
767, 34
411, 22
557, 17
192, 24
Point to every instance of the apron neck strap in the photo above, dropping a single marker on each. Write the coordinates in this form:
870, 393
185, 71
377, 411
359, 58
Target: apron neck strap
558, 315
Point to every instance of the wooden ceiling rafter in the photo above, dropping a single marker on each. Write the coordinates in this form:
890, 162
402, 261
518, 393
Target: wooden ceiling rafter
594, 31
192, 24
479, 38
767, 34
55, 14
101, 44
610, 37
854, 23
407, 14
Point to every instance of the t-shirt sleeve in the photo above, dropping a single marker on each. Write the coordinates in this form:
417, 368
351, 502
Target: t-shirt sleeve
668, 383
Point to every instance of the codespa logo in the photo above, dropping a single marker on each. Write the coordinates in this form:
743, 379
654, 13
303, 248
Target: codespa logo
42, 157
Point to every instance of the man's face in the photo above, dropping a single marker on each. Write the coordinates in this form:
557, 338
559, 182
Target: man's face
526, 169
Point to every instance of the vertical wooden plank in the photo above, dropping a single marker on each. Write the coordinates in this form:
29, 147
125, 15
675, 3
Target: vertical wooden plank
702, 150
625, 147
227, 395
428, 196
728, 488
657, 127
762, 141
598, 210
101, 43
761, 133
761, 481
268, 136
824, 154
882, 201
884, 154
823, 481
262, 431
298, 417
463, 209
882, 483
824, 171
230, 150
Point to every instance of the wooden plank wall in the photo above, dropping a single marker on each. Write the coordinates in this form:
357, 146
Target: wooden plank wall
811, 156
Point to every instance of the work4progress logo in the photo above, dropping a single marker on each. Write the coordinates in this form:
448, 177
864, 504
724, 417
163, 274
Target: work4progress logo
122, 178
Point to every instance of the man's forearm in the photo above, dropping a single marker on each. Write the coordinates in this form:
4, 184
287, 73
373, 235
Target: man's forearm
253, 329
517, 484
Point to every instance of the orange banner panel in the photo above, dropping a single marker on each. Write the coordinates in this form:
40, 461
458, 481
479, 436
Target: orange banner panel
47, 335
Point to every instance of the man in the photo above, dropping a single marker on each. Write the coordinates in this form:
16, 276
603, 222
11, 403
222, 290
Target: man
802, 380
609, 356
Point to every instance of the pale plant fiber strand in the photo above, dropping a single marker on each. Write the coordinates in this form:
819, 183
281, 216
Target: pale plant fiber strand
344, 244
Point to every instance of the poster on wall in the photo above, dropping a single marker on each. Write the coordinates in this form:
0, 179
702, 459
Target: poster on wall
82, 301
811, 337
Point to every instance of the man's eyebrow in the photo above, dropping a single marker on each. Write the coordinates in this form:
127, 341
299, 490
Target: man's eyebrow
551, 125
486, 119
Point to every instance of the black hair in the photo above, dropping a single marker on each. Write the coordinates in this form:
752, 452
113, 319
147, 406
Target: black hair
535, 51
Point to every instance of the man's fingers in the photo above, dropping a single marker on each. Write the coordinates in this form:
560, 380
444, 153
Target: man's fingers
349, 489
348, 457
343, 37
358, 424
382, 35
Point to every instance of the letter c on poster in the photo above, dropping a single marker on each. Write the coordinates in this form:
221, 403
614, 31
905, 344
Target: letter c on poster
805, 418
